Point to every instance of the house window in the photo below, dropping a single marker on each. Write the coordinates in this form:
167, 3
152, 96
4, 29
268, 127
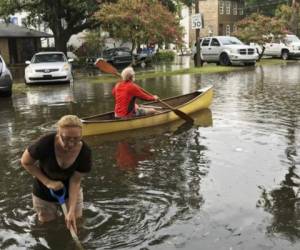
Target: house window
234, 28
227, 6
241, 11
234, 8
227, 30
221, 7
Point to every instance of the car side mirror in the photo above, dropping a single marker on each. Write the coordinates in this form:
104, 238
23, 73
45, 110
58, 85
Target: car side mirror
70, 60
27, 62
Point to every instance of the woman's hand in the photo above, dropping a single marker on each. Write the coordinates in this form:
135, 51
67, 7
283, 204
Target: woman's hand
55, 185
71, 221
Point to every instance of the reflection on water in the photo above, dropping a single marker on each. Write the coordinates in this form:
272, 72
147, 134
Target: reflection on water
231, 181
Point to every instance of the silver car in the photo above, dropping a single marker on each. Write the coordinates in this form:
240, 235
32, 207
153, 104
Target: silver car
5, 79
48, 67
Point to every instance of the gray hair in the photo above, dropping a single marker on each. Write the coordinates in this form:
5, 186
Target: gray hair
128, 74
69, 121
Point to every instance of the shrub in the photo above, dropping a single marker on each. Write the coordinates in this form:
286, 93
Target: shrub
164, 56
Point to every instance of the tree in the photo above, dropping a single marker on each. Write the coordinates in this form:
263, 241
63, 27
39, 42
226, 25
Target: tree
172, 5
294, 21
94, 42
266, 7
290, 16
63, 17
258, 29
140, 22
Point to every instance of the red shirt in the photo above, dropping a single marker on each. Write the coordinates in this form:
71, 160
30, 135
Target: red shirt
125, 93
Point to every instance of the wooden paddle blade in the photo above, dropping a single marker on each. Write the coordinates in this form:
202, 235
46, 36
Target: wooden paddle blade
181, 114
184, 116
106, 67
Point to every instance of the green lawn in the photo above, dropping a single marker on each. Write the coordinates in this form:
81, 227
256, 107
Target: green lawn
206, 69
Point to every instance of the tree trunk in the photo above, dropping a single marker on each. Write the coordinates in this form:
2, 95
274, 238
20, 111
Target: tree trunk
198, 61
61, 43
133, 61
261, 54
294, 22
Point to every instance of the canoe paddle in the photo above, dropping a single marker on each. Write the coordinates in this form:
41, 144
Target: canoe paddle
61, 200
108, 68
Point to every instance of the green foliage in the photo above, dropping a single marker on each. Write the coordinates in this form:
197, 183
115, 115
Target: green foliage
141, 22
265, 7
63, 17
94, 42
163, 56
290, 16
172, 5
258, 28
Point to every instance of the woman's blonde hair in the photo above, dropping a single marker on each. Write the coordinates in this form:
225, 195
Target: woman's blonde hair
69, 121
128, 74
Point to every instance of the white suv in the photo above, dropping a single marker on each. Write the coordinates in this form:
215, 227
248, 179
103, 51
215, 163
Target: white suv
289, 46
227, 50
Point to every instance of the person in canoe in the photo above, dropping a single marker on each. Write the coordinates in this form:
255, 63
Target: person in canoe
57, 160
126, 92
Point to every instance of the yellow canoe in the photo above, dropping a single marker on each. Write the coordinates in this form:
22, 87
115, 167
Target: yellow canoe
189, 103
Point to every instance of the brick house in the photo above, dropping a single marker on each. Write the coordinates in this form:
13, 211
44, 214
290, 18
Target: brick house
18, 44
219, 16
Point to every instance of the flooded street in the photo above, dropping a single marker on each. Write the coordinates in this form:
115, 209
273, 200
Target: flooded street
230, 182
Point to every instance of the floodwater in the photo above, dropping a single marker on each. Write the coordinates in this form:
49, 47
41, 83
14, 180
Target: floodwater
229, 182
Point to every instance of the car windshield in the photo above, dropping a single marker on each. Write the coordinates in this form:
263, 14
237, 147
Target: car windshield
229, 40
46, 58
291, 39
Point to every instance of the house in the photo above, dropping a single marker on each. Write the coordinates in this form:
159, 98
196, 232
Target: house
18, 44
219, 17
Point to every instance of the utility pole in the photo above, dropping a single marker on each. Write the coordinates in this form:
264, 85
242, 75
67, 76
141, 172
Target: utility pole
198, 62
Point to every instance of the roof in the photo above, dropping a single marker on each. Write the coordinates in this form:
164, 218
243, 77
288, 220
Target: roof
49, 52
11, 30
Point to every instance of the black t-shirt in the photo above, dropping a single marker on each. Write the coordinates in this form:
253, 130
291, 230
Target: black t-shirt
43, 150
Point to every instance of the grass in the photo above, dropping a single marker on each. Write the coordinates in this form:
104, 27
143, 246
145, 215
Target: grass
206, 69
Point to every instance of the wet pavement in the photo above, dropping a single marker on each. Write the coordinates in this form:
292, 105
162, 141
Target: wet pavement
229, 182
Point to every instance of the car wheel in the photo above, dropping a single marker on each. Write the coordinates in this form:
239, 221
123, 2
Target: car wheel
224, 60
284, 54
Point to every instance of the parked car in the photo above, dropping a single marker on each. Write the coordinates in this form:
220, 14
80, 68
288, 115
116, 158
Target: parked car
48, 67
122, 56
227, 50
287, 47
6, 79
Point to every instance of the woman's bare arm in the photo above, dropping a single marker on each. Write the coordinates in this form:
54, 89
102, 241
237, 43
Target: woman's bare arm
30, 165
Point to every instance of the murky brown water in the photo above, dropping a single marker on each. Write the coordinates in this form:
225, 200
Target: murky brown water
229, 183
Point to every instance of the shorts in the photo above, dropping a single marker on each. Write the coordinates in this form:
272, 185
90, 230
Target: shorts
140, 112
50, 210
